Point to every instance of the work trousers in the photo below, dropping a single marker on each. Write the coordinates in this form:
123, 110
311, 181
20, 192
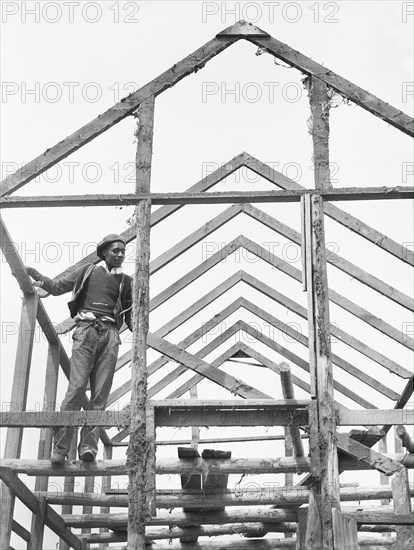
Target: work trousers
94, 354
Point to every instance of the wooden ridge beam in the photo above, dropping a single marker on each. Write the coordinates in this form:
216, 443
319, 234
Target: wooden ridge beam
223, 197
115, 114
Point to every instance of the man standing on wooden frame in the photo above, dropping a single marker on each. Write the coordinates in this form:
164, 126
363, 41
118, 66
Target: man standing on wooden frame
101, 302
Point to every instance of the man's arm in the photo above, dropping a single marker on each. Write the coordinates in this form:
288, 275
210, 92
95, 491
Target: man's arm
57, 286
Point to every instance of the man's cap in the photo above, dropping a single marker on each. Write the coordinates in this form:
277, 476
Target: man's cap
106, 241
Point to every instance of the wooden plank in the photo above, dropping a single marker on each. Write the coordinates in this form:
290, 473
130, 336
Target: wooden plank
361, 97
402, 507
361, 347
288, 330
115, 114
227, 381
18, 400
38, 526
160, 214
289, 393
324, 422
319, 128
139, 451
52, 518
20, 531
168, 466
375, 460
346, 417
375, 417
106, 484
193, 238
344, 218
383, 518
223, 197
337, 261
345, 532
335, 297
49, 401
69, 484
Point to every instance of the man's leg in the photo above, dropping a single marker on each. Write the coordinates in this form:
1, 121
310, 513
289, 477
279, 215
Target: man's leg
101, 382
85, 342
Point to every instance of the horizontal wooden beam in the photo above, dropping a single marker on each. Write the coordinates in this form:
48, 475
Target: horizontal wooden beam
336, 194
209, 413
375, 417
381, 518
186, 519
270, 494
175, 466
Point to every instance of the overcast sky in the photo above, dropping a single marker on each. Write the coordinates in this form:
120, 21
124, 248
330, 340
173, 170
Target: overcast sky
64, 63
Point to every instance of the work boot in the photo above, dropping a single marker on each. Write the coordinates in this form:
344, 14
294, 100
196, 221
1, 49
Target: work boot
87, 456
57, 458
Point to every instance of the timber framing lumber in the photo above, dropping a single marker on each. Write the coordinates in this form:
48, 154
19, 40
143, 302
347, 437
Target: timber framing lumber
211, 410
337, 194
342, 217
280, 465
361, 97
51, 518
141, 449
115, 114
341, 263
341, 335
360, 452
192, 362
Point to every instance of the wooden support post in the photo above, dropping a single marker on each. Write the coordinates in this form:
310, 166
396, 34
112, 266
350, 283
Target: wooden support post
324, 494
38, 526
320, 105
89, 487
139, 443
69, 484
195, 430
49, 403
18, 400
289, 393
106, 484
402, 505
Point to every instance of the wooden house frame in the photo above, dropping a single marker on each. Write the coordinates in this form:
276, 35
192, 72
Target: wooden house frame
309, 514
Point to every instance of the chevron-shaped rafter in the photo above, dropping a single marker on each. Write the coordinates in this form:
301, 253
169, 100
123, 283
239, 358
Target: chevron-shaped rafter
193, 63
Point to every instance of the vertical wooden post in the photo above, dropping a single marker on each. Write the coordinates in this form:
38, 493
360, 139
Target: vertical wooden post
195, 430
320, 105
106, 484
20, 386
139, 455
38, 527
69, 485
402, 505
49, 403
325, 467
384, 480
